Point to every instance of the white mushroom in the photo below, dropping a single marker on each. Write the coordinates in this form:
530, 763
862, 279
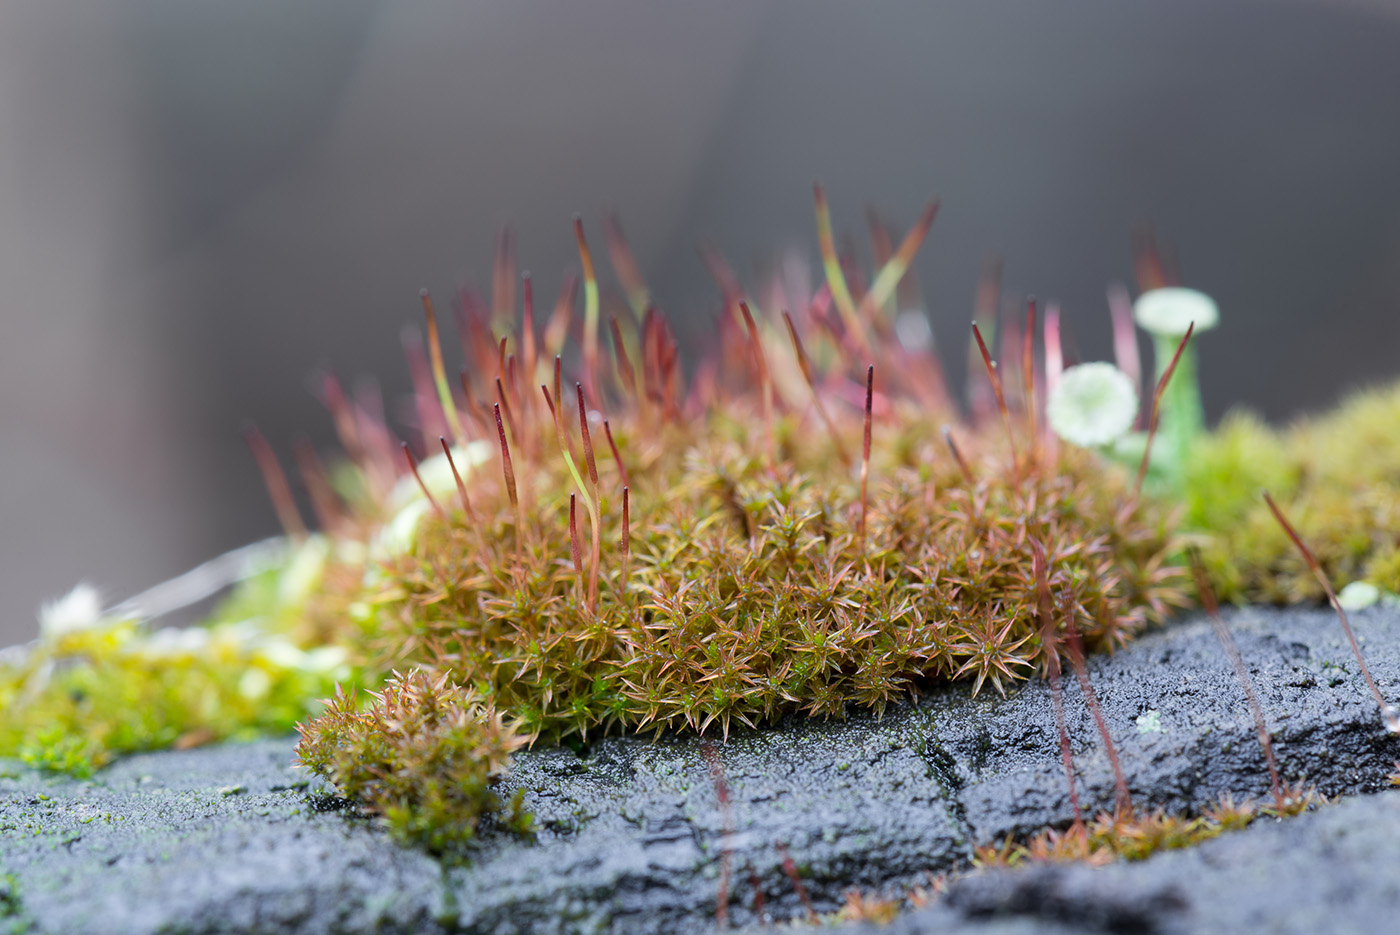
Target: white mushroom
1092, 405
1168, 312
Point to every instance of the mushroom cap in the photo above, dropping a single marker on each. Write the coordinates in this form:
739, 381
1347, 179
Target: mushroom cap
1170, 311
1092, 405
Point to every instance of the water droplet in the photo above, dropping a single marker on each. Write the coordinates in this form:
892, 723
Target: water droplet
1391, 718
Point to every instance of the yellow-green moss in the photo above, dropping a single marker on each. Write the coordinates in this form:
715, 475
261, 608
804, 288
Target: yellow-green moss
94, 686
1336, 475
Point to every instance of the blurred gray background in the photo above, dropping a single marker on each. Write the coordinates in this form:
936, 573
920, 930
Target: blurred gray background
203, 202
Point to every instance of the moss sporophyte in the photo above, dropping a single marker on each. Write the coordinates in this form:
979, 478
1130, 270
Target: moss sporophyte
577, 537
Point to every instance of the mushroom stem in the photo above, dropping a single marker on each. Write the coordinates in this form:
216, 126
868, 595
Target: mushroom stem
1183, 416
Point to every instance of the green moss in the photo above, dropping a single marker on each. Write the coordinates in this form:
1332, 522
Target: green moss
12, 917
94, 687
1335, 476
750, 591
423, 753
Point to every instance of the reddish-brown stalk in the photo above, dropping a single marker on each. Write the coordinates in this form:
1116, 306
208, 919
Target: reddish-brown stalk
528, 349
343, 417
590, 502
504, 402
726, 854
413, 466
651, 365
836, 278
995, 379
432, 421
723, 274
1081, 672
668, 355
1048, 640
501, 359
1227, 642
626, 375
759, 912
587, 439
1147, 263
617, 456
1054, 366
597, 503
852, 270
509, 470
865, 453
1389, 716
449, 408
881, 243
1008, 356
626, 543
1156, 409
761, 362
1028, 367
557, 331
805, 365
474, 333
324, 503
979, 398
278, 490
521, 403
957, 455
1125, 346
475, 408
625, 265
558, 383
892, 271
503, 279
376, 442
461, 487
818, 311
790, 869
575, 551
590, 311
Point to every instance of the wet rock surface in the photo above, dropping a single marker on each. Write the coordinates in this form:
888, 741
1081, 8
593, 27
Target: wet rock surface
632, 833
1332, 871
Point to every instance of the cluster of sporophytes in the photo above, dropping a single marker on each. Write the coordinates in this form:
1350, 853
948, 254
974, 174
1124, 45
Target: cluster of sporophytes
599, 544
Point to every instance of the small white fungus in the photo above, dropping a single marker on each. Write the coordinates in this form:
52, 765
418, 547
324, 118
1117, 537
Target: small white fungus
1170, 311
1092, 405
1358, 595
